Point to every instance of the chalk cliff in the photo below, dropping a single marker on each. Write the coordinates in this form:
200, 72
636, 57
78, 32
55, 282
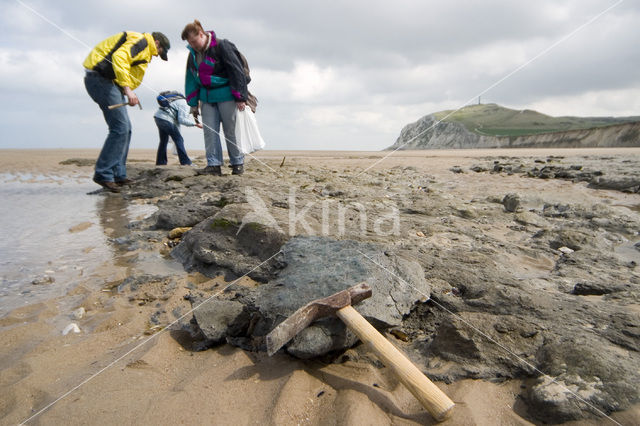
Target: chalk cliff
428, 133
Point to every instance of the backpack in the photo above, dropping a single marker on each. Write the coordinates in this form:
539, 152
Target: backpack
165, 98
252, 101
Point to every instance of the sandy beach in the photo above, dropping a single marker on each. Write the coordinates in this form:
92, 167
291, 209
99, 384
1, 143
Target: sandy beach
133, 362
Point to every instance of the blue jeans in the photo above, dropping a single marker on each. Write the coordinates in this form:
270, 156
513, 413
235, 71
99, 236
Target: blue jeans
212, 116
166, 129
111, 163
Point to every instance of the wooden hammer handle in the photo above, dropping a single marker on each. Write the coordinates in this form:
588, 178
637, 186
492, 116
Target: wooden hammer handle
118, 105
430, 396
123, 104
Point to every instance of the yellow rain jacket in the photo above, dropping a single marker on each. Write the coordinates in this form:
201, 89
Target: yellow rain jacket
123, 57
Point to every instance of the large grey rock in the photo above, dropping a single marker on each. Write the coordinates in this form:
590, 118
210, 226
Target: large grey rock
318, 267
311, 268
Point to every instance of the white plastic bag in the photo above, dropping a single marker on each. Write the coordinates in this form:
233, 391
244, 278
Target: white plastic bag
248, 135
171, 146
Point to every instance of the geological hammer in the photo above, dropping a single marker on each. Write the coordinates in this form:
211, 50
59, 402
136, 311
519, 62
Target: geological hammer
430, 396
122, 104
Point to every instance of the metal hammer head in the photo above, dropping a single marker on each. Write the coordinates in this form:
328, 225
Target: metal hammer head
313, 311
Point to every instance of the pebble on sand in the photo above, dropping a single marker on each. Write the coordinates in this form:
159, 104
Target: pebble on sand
71, 327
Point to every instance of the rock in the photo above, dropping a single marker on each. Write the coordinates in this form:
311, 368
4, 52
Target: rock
171, 217
586, 377
311, 268
478, 168
317, 267
323, 337
73, 327
511, 202
220, 318
596, 289
82, 162
567, 399
78, 313
565, 250
43, 279
570, 238
178, 232
231, 243
620, 178
623, 184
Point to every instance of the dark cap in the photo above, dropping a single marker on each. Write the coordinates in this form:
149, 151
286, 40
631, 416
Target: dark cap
164, 42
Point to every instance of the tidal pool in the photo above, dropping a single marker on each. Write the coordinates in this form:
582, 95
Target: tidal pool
57, 232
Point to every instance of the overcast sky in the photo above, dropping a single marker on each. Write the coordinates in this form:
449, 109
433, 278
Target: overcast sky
346, 74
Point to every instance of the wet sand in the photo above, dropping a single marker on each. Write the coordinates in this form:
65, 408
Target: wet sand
122, 369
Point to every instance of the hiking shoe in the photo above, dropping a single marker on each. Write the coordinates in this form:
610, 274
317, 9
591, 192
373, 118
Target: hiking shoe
125, 181
238, 169
211, 170
109, 186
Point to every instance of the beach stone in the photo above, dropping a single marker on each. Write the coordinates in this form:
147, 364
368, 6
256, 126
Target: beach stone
322, 337
581, 380
571, 238
181, 215
596, 289
218, 319
178, 232
71, 328
621, 183
78, 313
43, 279
82, 162
511, 202
565, 250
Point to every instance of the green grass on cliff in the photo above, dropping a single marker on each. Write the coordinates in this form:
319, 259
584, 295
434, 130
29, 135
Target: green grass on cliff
495, 120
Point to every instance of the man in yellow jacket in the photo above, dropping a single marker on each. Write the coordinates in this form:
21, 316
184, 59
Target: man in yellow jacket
114, 68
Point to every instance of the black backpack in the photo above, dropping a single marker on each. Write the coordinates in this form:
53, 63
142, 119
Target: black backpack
165, 98
252, 101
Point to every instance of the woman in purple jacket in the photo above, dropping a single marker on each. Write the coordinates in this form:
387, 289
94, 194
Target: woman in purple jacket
215, 79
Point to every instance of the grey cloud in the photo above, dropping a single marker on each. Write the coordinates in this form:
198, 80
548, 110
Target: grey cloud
375, 47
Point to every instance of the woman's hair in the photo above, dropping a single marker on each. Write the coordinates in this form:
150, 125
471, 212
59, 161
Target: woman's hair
192, 28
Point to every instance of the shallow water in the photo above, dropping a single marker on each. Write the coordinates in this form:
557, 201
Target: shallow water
53, 231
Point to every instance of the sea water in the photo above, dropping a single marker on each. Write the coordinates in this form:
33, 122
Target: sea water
55, 233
